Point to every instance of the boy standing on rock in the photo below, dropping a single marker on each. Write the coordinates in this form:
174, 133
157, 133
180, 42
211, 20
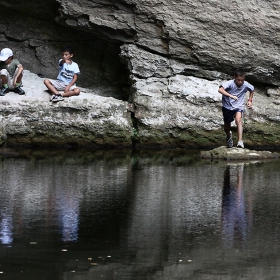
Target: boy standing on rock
233, 92
11, 73
66, 79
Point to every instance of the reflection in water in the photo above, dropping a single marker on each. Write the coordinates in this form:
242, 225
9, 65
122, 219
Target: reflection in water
6, 215
6, 229
154, 216
69, 217
234, 216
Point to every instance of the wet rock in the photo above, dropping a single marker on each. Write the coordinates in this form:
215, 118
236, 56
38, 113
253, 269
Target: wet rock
237, 154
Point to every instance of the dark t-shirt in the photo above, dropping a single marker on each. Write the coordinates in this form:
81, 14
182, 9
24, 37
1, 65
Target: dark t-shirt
11, 68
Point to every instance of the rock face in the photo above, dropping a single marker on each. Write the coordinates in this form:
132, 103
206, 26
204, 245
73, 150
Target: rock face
173, 109
215, 35
165, 58
37, 43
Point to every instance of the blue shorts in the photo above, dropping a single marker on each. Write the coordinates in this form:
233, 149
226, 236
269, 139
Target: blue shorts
229, 115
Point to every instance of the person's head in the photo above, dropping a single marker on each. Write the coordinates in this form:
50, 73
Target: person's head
239, 77
67, 53
6, 55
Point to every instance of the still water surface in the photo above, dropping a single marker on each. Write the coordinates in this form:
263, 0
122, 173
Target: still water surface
143, 215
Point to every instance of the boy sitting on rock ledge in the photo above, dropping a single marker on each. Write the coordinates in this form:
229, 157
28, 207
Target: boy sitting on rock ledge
233, 92
66, 79
11, 73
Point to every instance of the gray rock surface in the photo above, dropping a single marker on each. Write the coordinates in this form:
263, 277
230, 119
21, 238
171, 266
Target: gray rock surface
84, 120
215, 35
166, 58
173, 109
237, 154
176, 111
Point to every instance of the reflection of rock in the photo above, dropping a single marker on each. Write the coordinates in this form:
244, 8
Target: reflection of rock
237, 153
155, 231
6, 152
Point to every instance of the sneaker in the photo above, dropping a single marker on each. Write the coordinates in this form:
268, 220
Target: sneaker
19, 90
52, 97
240, 144
229, 140
4, 91
57, 98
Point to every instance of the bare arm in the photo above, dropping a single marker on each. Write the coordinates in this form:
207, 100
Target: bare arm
224, 92
20, 69
62, 62
75, 78
250, 100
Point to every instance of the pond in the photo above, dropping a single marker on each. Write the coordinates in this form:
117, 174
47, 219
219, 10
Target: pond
122, 214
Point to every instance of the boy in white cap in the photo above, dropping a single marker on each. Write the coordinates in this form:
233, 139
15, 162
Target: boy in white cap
11, 72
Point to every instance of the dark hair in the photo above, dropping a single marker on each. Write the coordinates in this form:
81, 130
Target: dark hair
68, 49
239, 73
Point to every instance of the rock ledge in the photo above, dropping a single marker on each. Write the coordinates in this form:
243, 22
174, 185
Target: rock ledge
237, 154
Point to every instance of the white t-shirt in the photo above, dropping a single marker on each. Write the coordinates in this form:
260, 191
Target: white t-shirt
232, 88
67, 71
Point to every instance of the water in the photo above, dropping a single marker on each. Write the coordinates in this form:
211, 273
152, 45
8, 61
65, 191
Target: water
142, 215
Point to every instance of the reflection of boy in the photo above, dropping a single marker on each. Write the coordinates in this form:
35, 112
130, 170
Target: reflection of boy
234, 220
233, 92
66, 79
11, 72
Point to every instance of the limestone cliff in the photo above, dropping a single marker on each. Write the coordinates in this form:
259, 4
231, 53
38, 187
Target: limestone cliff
216, 35
162, 60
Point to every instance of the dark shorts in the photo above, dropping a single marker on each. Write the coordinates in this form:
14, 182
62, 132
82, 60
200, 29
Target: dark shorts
229, 115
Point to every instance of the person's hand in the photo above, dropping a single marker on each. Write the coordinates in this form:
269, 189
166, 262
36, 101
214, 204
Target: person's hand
234, 97
67, 88
67, 61
250, 103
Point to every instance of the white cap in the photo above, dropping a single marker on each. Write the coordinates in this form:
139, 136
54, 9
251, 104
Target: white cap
5, 54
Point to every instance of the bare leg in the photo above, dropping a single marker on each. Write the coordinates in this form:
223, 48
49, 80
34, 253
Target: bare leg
75, 91
18, 81
50, 87
227, 127
4, 79
238, 121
